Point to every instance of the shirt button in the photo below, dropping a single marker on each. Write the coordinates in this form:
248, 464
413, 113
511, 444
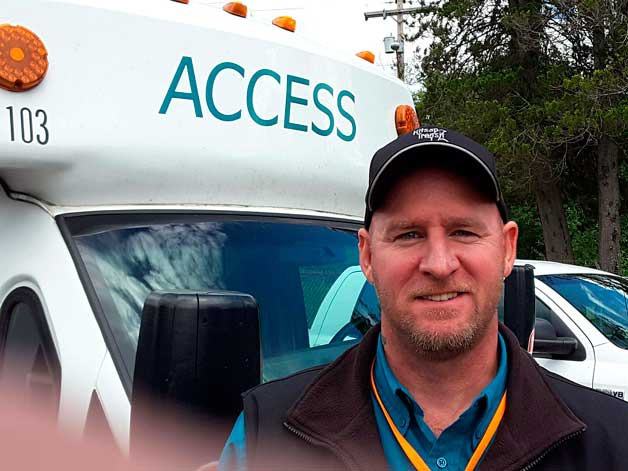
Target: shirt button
441, 462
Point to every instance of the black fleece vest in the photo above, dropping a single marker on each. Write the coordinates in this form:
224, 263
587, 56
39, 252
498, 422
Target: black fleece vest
323, 419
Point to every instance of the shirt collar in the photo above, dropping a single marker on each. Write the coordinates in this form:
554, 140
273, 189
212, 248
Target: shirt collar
394, 395
401, 406
490, 397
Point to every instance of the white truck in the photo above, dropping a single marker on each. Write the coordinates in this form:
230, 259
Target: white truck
591, 307
158, 145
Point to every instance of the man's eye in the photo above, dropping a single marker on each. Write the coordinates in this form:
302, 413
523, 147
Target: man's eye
409, 235
463, 233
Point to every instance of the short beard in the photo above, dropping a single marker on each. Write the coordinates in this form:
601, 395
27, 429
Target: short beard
440, 347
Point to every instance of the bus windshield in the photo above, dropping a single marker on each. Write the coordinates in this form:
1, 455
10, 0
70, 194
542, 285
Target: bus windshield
312, 297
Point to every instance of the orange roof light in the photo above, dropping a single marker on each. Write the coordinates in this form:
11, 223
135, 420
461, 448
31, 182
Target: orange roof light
182, 1
236, 8
23, 58
367, 56
406, 119
286, 22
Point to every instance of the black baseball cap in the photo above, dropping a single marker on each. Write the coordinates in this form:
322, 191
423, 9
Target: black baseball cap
436, 146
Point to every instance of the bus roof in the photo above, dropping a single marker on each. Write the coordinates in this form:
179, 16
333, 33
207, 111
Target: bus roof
157, 102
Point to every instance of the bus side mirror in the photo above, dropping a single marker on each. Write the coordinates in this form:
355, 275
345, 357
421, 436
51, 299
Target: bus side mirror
519, 304
197, 353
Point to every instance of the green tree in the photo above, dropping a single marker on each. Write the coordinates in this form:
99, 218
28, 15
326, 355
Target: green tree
542, 84
594, 35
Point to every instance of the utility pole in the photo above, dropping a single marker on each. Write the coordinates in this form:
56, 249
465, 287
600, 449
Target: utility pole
398, 14
401, 64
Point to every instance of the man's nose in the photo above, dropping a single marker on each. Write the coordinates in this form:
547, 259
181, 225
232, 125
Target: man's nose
438, 260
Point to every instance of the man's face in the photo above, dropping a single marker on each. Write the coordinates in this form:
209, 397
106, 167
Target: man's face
437, 252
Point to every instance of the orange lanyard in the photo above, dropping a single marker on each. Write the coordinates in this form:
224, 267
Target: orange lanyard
414, 456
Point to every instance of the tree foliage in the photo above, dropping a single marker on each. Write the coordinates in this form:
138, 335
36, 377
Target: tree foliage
544, 85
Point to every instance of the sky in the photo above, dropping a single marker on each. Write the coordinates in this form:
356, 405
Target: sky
337, 23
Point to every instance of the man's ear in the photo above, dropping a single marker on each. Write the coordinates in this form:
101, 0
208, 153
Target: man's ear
364, 247
511, 233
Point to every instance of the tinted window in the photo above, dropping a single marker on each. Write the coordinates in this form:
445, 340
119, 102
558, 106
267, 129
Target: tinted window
601, 299
288, 267
22, 344
29, 362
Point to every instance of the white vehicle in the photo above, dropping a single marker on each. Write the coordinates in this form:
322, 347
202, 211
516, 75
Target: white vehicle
581, 321
155, 145
590, 306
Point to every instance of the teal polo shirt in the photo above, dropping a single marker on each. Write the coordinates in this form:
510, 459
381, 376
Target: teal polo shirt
451, 451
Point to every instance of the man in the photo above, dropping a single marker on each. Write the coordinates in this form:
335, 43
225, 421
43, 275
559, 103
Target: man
440, 385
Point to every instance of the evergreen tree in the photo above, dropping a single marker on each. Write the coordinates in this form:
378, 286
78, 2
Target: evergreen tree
542, 84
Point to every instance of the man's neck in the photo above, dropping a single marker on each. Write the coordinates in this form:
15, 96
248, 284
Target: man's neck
444, 388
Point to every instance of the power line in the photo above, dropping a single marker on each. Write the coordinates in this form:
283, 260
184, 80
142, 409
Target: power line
386, 13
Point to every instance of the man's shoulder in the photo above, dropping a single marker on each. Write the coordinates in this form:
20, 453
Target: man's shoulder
595, 408
266, 406
332, 378
286, 389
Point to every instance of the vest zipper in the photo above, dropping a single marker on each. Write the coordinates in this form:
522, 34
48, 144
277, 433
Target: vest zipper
552, 448
348, 462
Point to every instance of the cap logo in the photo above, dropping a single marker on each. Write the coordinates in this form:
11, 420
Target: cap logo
431, 134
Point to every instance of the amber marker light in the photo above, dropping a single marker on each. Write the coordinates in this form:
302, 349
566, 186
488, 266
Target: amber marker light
406, 119
236, 8
367, 56
286, 22
23, 58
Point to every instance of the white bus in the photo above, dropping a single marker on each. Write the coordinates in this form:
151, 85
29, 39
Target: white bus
157, 145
